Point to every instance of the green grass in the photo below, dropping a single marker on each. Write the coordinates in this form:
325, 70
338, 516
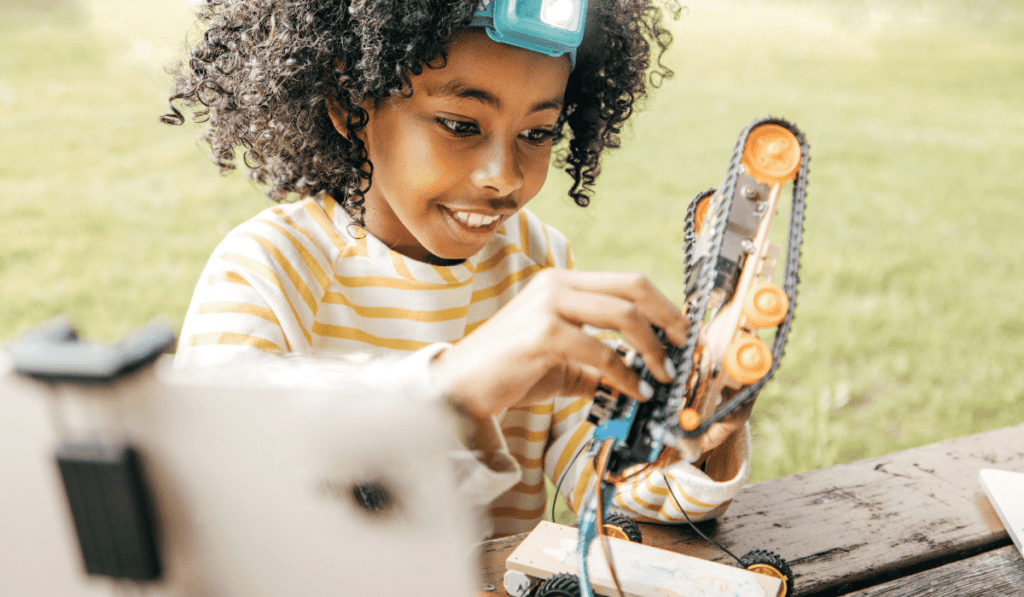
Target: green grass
909, 324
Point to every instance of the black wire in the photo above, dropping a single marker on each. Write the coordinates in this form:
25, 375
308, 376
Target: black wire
565, 473
706, 538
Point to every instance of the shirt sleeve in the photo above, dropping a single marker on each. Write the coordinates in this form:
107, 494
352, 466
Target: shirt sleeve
257, 300
654, 493
258, 293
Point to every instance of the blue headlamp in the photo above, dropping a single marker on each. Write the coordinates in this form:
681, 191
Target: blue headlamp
552, 27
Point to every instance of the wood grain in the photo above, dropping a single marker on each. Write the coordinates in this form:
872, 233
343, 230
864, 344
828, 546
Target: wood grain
998, 573
854, 526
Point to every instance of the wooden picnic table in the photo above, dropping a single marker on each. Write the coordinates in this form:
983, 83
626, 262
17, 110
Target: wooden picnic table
915, 522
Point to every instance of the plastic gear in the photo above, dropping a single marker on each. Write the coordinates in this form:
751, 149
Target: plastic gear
622, 527
769, 564
748, 359
701, 209
771, 154
765, 305
560, 585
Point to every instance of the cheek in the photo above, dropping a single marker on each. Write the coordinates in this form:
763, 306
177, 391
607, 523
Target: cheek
416, 168
535, 172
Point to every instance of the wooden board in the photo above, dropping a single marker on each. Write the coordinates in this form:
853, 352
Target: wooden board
854, 526
998, 573
643, 571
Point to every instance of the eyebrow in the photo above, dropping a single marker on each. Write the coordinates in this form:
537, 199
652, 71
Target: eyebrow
460, 90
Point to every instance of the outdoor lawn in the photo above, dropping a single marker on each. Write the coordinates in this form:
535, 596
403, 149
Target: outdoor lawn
909, 323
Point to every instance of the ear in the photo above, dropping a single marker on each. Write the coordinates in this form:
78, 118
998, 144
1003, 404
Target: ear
338, 116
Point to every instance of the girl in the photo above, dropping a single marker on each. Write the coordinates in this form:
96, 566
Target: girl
413, 133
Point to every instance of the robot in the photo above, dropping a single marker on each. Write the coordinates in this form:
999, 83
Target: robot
730, 298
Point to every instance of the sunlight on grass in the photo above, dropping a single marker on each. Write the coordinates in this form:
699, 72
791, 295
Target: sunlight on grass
909, 318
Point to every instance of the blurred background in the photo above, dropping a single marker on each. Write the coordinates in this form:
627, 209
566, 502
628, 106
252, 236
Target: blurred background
910, 314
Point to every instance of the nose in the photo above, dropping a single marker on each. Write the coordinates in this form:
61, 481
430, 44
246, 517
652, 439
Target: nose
498, 170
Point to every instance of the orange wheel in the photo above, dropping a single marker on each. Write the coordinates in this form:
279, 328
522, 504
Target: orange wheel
700, 212
771, 154
689, 419
748, 359
765, 306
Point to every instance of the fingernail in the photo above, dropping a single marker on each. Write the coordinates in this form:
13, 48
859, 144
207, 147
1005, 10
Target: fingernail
645, 389
669, 367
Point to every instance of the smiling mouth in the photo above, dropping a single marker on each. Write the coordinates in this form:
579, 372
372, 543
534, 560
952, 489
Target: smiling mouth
473, 220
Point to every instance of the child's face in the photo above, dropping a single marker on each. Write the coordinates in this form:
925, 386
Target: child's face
468, 149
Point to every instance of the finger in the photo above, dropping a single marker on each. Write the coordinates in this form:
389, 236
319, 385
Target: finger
586, 350
621, 315
580, 380
636, 288
720, 431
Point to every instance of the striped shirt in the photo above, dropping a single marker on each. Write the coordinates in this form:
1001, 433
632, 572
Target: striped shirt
301, 278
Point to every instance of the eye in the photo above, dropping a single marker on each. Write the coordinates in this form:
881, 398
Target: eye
538, 136
459, 128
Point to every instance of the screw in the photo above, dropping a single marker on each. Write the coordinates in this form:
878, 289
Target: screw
750, 192
747, 245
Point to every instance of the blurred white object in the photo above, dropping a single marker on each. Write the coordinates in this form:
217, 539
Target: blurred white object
1005, 489
252, 472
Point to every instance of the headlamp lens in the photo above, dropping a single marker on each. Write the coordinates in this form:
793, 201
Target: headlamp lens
560, 13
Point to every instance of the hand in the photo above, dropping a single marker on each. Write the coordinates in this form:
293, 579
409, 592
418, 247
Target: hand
717, 433
537, 337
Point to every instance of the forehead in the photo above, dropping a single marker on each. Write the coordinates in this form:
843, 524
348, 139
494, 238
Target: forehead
476, 63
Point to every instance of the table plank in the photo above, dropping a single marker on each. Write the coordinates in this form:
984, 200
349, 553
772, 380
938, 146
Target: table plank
998, 573
853, 526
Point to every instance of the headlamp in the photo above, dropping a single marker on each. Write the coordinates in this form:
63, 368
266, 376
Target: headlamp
552, 27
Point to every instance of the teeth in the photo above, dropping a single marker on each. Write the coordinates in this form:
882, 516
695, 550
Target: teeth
474, 220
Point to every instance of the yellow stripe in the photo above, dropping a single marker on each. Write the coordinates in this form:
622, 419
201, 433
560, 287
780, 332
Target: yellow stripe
635, 494
517, 513
493, 261
337, 298
682, 491
570, 449
280, 213
529, 463
329, 205
347, 333
569, 263
240, 308
314, 267
582, 485
529, 489
293, 276
500, 287
534, 409
399, 264
524, 234
666, 514
549, 259
320, 216
576, 406
270, 276
231, 339
227, 277
524, 433
397, 283
446, 274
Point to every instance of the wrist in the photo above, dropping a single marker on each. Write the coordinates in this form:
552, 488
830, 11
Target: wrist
444, 373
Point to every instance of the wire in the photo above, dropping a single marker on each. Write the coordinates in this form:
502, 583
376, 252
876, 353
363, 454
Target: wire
601, 468
558, 486
699, 532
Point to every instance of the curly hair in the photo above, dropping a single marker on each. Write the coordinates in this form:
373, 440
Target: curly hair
263, 72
